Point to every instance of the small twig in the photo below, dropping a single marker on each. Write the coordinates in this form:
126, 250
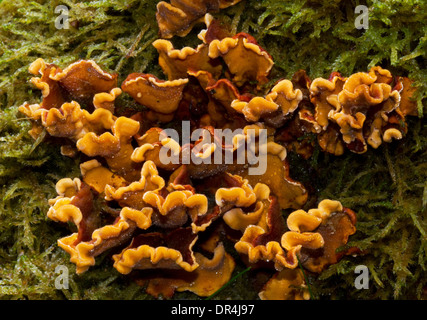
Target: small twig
39, 139
130, 52
390, 164
137, 40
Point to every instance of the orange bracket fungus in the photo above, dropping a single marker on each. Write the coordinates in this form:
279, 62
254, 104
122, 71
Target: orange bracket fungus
176, 63
158, 95
288, 284
152, 250
257, 63
179, 17
158, 220
363, 108
282, 99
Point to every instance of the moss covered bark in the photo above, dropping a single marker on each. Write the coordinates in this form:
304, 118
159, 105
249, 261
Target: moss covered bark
386, 187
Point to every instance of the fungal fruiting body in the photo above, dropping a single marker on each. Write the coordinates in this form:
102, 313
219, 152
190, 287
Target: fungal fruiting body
176, 216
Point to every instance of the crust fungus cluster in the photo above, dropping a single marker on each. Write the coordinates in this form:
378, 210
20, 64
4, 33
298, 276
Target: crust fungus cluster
167, 223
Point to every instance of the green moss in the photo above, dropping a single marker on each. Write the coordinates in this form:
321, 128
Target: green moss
386, 187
